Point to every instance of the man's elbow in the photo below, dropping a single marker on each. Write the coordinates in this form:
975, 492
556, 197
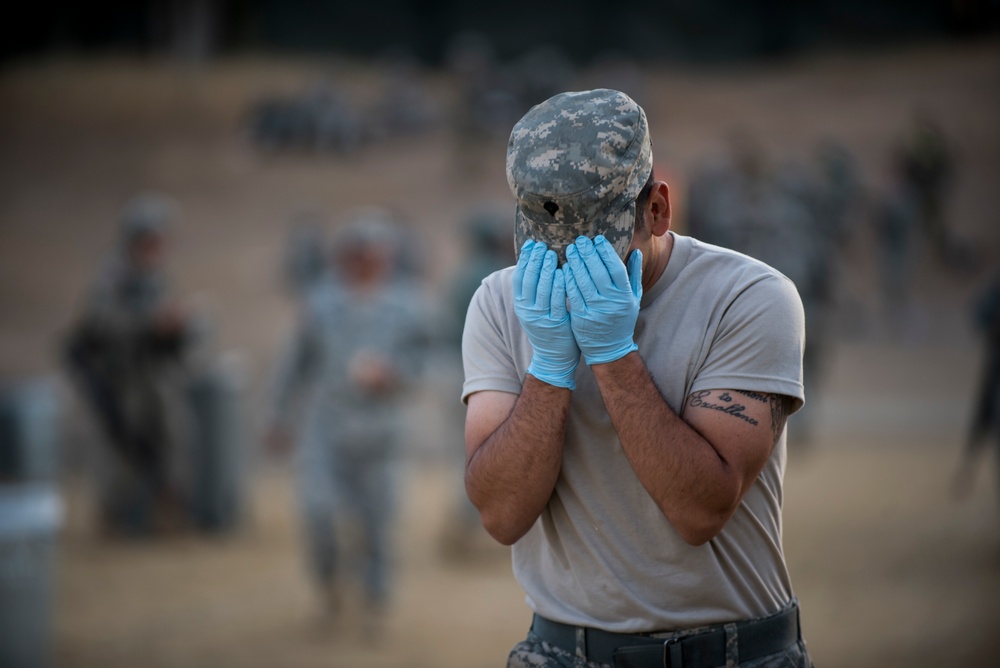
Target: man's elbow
501, 529
697, 536
698, 530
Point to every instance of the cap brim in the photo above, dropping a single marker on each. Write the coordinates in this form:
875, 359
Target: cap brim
617, 228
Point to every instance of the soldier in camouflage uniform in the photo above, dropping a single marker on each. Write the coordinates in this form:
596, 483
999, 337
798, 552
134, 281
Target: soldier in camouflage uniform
355, 353
305, 262
641, 489
128, 354
985, 422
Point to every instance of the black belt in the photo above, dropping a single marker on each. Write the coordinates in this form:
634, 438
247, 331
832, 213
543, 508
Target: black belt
755, 639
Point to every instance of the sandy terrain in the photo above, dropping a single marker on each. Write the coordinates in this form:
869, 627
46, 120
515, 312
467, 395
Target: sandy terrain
891, 570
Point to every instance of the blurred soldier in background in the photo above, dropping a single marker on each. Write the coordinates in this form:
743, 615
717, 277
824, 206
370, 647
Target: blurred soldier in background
986, 411
895, 221
130, 353
928, 170
356, 352
840, 190
321, 118
489, 246
304, 263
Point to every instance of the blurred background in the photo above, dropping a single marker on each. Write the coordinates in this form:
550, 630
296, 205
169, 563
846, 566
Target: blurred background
178, 177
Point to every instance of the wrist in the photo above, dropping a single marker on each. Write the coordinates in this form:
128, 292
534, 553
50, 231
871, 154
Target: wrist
559, 374
608, 353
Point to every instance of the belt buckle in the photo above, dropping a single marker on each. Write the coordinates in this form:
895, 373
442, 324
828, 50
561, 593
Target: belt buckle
673, 654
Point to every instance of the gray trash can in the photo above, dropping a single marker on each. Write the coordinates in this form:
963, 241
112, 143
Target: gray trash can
30, 515
217, 447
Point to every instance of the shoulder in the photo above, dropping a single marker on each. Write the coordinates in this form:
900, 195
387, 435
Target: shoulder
730, 275
496, 288
492, 306
501, 280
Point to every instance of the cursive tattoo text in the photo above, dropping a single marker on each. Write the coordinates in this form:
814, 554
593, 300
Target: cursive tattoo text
700, 400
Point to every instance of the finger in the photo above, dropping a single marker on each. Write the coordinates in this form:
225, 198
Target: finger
557, 306
576, 302
581, 275
545, 277
609, 256
635, 272
530, 285
595, 265
522, 264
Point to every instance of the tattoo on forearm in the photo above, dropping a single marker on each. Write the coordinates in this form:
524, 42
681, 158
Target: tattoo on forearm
756, 396
779, 413
700, 400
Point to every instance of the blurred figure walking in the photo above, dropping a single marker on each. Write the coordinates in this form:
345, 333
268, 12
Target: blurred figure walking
305, 262
927, 167
986, 411
130, 353
356, 351
895, 219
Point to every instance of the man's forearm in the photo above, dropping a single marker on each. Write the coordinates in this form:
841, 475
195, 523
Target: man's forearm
691, 483
510, 477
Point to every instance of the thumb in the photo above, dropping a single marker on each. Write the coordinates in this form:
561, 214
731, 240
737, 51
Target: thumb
635, 272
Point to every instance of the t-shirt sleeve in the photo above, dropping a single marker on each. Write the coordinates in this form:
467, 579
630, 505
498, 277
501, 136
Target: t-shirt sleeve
759, 343
487, 348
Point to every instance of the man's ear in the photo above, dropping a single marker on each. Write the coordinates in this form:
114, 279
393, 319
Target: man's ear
659, 208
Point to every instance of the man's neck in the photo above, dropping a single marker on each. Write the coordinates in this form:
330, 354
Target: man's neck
662, 247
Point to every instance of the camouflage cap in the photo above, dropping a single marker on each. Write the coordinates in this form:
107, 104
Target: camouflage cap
370, 226
575, 164
146, 213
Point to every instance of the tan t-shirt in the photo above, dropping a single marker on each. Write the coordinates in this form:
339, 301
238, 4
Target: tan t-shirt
602, 554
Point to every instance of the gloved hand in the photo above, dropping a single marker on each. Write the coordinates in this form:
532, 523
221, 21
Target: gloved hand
540, 306
603, 298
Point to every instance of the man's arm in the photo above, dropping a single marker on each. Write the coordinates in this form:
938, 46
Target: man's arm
514, 448
697, 469
514, 442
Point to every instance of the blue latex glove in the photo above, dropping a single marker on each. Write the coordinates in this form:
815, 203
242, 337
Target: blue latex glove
603, 298
540, 306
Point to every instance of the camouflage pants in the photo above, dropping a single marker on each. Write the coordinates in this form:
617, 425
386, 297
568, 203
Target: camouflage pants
533, 652
341, 489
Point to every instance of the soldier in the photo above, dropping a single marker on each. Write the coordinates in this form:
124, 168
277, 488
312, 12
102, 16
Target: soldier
304, 263
928, 169
354, 355
895, 219
986, 412
128, 354
627, 392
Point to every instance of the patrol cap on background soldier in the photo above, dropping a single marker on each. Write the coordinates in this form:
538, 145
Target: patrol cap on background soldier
143, 226
587, 184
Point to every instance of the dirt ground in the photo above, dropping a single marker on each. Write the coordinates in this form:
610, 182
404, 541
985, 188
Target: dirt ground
892, 569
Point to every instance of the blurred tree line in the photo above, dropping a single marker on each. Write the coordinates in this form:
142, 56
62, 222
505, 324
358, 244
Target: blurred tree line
712, 30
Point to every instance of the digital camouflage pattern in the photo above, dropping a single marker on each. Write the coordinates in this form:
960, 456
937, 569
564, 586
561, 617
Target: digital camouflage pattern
533, 652
575, 164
